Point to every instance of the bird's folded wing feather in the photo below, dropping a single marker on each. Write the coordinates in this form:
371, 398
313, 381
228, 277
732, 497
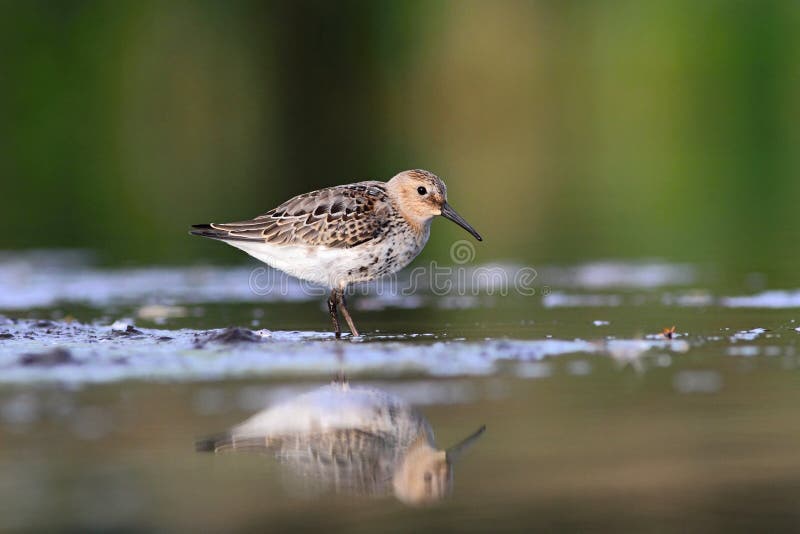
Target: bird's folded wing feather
336, 443
352, 459
342, 216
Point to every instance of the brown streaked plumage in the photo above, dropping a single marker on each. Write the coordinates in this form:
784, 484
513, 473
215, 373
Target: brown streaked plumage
340, 217
344, 234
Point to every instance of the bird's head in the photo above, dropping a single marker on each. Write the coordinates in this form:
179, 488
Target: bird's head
421, 195
425, 475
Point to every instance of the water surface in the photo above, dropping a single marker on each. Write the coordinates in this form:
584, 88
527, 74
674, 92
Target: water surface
594, 418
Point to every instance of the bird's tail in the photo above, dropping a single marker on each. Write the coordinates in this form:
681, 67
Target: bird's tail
213, 443
206, 230
227, 443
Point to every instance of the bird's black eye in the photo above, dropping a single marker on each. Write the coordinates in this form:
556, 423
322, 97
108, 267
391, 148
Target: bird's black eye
421, 190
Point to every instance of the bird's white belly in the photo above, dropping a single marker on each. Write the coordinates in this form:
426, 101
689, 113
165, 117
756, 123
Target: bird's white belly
322, 265
329, 408
335, 266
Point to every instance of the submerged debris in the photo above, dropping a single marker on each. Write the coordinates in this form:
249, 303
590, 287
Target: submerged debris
57, 356
124, 328
232, 334
130, 330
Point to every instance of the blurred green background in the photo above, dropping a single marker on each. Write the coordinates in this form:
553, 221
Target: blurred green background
566, 131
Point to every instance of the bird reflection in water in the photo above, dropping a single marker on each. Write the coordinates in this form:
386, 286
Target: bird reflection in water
359, 440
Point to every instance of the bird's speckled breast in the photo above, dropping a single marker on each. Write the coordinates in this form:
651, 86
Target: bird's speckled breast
400, 245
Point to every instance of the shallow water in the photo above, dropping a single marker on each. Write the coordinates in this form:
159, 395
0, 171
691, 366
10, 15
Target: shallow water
594, 418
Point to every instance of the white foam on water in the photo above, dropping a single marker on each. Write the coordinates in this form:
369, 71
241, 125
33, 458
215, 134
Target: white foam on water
564, 300
775, 299
616, 274
748, 335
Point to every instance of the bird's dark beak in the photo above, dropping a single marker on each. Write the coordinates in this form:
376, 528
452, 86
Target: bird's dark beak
449, 213
456, 451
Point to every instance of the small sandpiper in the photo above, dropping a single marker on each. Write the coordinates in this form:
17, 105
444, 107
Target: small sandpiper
344, 234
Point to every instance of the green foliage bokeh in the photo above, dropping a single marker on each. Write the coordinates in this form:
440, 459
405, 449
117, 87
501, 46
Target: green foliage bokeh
565, 130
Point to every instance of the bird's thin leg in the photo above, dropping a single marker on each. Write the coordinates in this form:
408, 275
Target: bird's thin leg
343, 307
333, 300
339, 377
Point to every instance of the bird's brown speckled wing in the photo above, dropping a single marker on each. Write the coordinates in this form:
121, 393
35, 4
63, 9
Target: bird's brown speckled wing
353, 459
336, 443
342, 216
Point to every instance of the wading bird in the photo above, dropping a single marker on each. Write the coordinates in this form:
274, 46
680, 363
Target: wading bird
344, 234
